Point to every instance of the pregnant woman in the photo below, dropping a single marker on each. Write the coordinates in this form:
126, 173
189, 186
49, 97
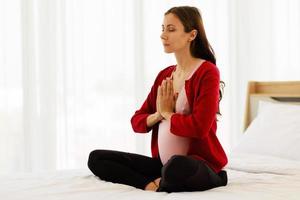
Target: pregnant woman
181, 110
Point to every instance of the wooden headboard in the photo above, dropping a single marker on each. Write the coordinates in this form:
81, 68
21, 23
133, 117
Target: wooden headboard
283, 91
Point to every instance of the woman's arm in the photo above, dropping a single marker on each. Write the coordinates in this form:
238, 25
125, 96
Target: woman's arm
151, 119
139, 121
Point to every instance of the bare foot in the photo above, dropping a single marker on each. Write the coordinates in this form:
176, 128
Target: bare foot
157, 181
153, 185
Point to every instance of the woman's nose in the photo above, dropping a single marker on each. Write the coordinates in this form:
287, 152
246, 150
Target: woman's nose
163, 36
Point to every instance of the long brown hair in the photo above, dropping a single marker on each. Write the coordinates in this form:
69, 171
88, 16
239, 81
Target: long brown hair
191, 19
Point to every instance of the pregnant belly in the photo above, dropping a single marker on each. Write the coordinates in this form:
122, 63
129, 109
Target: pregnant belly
170, 144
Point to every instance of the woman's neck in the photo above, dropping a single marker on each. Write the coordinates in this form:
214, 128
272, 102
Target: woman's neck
185, 62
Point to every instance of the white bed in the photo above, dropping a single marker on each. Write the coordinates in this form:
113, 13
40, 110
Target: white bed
252, 174
250, 177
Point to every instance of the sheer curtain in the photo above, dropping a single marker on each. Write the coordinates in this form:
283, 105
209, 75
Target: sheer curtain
99, 79
72, 72
68, 81
11, 99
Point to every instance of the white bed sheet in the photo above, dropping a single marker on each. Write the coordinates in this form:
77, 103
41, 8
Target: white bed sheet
250, 177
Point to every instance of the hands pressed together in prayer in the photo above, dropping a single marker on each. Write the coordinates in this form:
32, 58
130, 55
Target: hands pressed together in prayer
165, 103
166, 99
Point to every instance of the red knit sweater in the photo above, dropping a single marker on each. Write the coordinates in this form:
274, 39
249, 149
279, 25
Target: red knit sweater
202, 91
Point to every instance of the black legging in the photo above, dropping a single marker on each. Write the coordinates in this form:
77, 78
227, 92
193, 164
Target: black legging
180, 173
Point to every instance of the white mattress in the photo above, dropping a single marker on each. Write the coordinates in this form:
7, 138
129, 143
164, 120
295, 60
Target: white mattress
250, 177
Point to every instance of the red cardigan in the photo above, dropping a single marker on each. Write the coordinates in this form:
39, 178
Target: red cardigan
202, 91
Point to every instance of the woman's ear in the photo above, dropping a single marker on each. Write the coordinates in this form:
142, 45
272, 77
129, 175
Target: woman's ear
193, 35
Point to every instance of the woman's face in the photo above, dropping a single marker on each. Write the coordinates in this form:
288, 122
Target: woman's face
173, 36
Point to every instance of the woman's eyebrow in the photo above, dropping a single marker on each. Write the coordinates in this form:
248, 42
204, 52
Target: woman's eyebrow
168, 25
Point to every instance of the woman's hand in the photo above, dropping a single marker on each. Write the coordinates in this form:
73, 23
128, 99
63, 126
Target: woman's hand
166, 99
153, 119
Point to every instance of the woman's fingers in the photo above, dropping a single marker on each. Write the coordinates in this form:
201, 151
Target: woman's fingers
164, 87
167, 87
158, 99
159, 92
170, 87
175, 96
165, 96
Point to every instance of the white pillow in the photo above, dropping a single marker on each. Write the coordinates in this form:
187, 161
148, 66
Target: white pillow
274, 132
